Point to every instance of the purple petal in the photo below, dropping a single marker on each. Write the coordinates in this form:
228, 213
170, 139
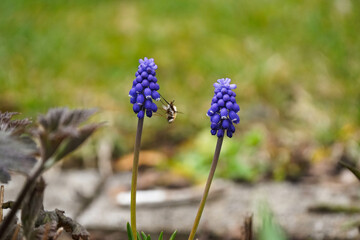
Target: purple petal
140, 114
136, 108
223, 113
220, 133
148, 113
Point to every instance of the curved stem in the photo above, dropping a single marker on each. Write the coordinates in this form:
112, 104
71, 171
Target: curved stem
20, 199
207, 187
134, 175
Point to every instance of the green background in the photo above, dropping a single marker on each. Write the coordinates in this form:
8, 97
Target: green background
296, 65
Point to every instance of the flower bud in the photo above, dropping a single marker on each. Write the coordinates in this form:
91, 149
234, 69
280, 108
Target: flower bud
223, 110
144, 88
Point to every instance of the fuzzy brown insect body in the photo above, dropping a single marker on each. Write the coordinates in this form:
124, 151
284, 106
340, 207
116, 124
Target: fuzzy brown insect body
170, 110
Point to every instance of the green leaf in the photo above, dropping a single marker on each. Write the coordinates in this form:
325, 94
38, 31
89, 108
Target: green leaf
161, 236
148, 237
143, 235
129, 232
270, 229
354, 170
138, 236
173, 235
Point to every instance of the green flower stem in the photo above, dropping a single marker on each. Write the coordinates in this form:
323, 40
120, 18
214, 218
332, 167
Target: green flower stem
134, 175
207, 187
20, 199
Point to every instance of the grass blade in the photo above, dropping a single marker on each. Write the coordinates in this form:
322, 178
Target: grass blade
173, 235
129, 232
143, 235
161, 236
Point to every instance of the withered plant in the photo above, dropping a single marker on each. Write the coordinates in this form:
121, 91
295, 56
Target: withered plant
31, 151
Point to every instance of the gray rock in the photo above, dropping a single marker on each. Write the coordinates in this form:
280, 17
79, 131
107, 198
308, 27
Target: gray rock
64, 189
223, 214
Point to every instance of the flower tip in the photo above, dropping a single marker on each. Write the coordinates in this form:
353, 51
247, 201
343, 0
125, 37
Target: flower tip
154, 107
229, 134
136, 108
216, 85
220, 133
140, 114
155, 95
149, 113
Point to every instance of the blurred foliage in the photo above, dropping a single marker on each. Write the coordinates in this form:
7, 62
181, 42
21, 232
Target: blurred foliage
143, 236
270, 229
239, 158
296, 64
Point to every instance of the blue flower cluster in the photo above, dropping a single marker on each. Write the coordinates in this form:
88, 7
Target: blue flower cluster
224, 109
145, 88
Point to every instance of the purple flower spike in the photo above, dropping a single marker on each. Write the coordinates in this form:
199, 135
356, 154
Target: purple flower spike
221, 103
147, 93
220, 133
209, 113
225, 124
132, 92
229, 105
223, 111
154, 107
138, 88
140, 99
214, 107
148, 113
145, 83
226, 97
214, 126
136, 108
155, 95
148, 104
236, 107
233, 116
215, 118
144, 89
140, 114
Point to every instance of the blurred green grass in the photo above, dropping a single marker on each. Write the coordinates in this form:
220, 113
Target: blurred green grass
296, 63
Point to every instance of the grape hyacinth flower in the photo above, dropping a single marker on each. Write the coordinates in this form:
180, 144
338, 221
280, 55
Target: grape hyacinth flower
144, 89
223, 111
223, 116
143, 92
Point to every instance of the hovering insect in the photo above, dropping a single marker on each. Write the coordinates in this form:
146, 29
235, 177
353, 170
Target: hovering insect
170, 109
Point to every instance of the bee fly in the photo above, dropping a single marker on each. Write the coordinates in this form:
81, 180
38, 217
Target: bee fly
170, 109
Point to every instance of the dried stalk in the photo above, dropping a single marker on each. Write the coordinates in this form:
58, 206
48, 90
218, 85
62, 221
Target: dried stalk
1, 202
